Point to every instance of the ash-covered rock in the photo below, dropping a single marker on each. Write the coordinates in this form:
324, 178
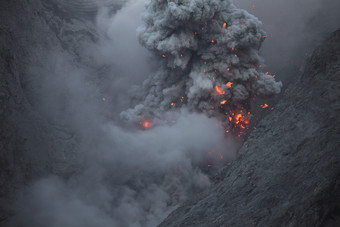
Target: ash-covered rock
288, 171
31, 145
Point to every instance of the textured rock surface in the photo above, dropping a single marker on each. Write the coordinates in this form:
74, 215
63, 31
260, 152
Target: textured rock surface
30, 145
288, 171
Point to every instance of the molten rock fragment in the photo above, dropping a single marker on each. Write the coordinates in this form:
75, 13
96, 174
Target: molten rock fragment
208, 53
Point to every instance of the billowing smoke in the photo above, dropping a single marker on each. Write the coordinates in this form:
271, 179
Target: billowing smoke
113, 176
130, 178
209, 60
107, 175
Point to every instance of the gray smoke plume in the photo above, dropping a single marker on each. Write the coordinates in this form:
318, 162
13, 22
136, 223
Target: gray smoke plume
209, 59
129, 177
115, 176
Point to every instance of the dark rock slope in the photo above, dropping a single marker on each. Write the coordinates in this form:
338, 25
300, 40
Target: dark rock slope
287, 173
30, 145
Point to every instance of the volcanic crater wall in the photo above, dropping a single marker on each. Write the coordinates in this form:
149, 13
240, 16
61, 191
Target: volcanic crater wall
31, 146
287, 172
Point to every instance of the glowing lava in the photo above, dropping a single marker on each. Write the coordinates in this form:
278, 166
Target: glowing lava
219, 90
239, 121
146, 124
264, 106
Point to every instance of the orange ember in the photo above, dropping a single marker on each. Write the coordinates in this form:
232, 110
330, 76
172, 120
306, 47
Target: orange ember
146, 124
264, 106
223, 102
238, 117
229, 84
240, 122
219, 90
172, 104
224, 25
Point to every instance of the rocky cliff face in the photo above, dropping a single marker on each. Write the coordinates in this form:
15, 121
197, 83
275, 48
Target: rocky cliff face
31, 145
287, 173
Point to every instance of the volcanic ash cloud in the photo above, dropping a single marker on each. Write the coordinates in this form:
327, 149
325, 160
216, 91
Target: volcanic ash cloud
209, 61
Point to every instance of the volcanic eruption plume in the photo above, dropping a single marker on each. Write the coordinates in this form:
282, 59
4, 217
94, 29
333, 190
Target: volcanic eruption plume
208, 52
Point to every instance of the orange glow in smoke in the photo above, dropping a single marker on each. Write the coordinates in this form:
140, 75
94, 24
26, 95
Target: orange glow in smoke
224, 25
223, 102
146, 124
238, 117
229, 84
240, 122
264, 106
219, 90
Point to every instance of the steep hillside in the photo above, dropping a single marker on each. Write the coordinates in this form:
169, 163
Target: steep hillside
288, 172
30, 145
